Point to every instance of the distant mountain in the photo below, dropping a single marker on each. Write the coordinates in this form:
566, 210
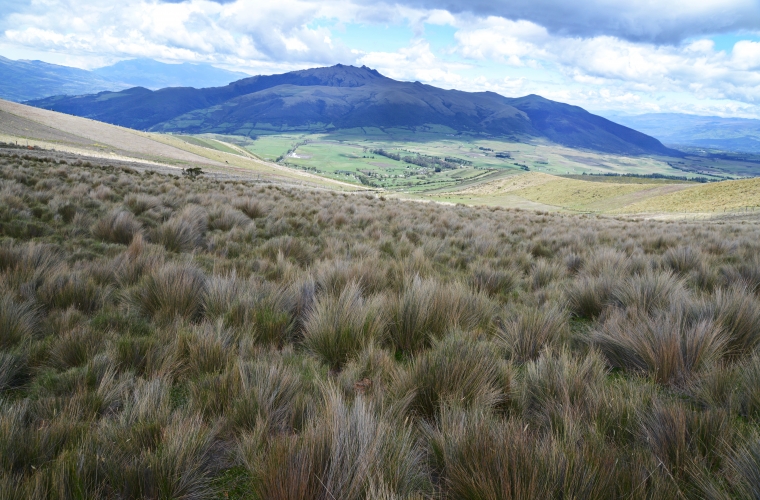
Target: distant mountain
340, 97
25, 80
156, 75
711, 132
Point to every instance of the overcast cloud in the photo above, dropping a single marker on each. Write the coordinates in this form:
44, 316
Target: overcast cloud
629, 56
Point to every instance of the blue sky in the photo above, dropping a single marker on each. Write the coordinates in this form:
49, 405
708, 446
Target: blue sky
611, 56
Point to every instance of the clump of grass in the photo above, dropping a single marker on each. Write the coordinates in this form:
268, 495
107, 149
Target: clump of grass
76, 289
737, 310
337, 328
648, 292
119, 226
75, 348
556, 384
206, 348
682, 260
175, 290
425, 309
18, 322
225, 218
589, 295
532, 329
494, 281
348, 451
274, 395
482, 457
184, 231
455, 370
250, 207
666, 346
141, 203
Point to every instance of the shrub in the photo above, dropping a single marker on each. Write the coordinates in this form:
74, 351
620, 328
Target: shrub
531, 329
119, 226
174, 290
337, 328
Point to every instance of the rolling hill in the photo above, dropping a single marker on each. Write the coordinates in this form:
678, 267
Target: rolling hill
343, 97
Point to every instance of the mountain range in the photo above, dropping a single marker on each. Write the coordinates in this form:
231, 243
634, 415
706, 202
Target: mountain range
24, 80
710, 132
347, 97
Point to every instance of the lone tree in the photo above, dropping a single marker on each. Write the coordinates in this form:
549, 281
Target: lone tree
192, 172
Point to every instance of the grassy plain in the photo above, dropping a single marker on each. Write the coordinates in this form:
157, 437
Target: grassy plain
164, 337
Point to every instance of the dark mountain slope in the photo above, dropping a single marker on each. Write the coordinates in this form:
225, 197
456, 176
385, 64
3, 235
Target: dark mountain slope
575, 127
142, 108
392, 104
346, 97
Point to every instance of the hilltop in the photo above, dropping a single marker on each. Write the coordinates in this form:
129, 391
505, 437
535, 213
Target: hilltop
346, 97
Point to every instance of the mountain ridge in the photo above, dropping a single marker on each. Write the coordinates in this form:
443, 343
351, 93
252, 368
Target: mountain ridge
340, 97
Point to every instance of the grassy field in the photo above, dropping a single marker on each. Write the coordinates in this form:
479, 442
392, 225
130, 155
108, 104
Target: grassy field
169, 337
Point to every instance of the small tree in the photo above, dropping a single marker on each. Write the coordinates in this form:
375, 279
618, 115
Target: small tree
192, 172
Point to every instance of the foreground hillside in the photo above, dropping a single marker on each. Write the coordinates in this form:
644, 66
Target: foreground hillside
164, 337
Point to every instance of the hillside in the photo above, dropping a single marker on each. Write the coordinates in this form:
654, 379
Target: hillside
167, 337
344, 97
92, 139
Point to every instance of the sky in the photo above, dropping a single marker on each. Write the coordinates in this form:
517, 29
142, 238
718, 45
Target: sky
608, 56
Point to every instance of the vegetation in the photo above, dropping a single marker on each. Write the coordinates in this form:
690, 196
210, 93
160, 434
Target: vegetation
163, 337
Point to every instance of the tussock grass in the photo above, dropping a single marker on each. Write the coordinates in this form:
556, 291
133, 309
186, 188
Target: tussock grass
175, 290
18, 322
667, 346
336, 329
168, 338
117, 227
532, 329
184, 231
455, 370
